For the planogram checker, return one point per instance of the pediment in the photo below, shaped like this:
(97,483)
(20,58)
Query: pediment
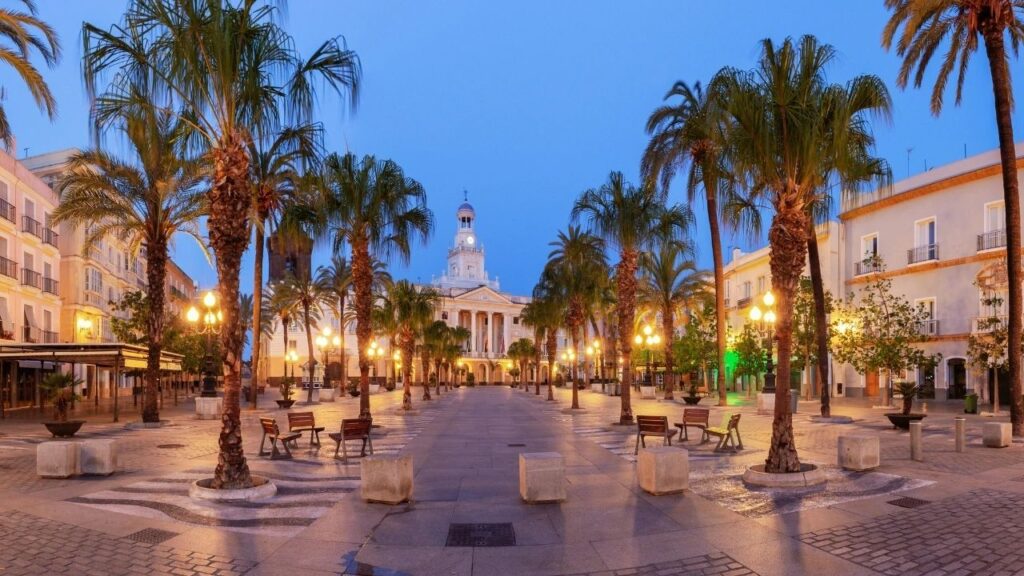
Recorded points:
(482,294)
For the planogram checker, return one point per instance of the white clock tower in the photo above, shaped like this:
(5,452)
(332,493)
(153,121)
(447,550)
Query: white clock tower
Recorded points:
(466,256)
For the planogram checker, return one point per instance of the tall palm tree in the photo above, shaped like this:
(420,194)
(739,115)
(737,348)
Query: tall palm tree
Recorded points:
(690,134)
(145,198)
(548,305)
(276,170)
(457,338)
(576,267)
(414,309)
(373,207)
(24,33)
(281,306)
(783,129)
(669,277)
(336,279)
(920,29)
(234,72)
(436,339)
(629,219)
(309,295)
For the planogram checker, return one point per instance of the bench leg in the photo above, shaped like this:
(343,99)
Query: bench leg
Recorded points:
(686,435)
(263,440)
(344,451)
(738,439)
(287,450)
(636,449)
(336,448)
(369,441)
(273,448)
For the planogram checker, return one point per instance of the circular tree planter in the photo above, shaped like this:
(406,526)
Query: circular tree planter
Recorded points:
(692,400)
(146,425)
(64,429)
(285,403)
(809,475)
(353,392)
(902,421)
(260,490)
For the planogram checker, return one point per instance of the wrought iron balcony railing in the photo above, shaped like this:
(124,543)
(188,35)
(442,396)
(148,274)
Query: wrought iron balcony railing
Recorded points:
(50,237)
(50,337)
(32,226)
(8,267)
(990,240)
(923,254)
(51,286)
(31,278)
(866,266)
(928,327)
(7,210)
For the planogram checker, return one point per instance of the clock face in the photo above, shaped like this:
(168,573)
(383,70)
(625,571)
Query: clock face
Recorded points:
(470,240)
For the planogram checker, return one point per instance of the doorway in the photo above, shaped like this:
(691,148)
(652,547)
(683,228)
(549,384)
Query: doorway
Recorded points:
(871,384)
(1003,379)
(957,368)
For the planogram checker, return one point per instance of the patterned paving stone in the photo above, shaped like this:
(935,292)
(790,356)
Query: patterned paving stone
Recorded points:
(715,563)
(978,531)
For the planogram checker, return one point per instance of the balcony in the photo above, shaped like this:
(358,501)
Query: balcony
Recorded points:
(7,211)
(923,254)
(50,337)
(31,278)
(50,237)
(178,294)
(744,302)
(928,327)
(31,335)
(867,266)
(51,286)
(990,240)
(984,324)
(8,268)
(93,298)
(32,226)
(7,331)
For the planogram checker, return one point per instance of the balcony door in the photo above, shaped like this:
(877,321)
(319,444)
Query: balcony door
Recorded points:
(924,241)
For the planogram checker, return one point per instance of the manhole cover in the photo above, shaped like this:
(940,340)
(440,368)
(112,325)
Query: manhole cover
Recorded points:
(908,502)
(169,446)
(517,445)
(481,535)
(151,536)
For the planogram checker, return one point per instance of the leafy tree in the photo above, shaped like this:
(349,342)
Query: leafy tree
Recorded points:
(25,33)
(986,347)
(805,330)
(875,329)
(751,355)
(697,349)
(130,324)
(919,30)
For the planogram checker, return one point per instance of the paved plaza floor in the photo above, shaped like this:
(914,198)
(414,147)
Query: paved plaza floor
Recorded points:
(964,515)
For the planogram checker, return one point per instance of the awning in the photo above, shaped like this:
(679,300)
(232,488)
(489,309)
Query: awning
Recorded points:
(109,355)
(35,364)
(30,316)
(4,317)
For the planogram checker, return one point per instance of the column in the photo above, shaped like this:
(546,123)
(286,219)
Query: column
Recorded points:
(472,331)
(506,322)
(491,340)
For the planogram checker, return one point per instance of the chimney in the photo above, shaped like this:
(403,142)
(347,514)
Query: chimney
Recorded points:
(736,254)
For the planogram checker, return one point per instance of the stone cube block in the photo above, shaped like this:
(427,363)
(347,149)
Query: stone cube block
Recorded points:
(599,388)
(859,452)
(648,392)
(663,470)
(541,477)
(996,434)
(386,478)
(326,394)
(57,459)
(209,408)
(98,457)
(374,388)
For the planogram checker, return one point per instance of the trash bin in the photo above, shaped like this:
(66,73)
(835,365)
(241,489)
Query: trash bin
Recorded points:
(971,404)
(794,400)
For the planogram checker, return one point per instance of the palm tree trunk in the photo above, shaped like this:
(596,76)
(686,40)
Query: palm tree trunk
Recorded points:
(716,252)
(820,323)
(257,310)
(668,327)
(312,356)
(344,359)
(625,311)
(1002,90)
(575,346)
(408,349)
(425,365)
(284,340)
(156,272)
(228,228)
(788,240)
(437,375)
(552,346)
(362,280)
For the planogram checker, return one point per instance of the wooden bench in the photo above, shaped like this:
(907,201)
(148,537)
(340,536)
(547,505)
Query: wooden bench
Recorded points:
(302,421)
(271,431)
(353,429)
(652,426)
(696,418)
(725,435)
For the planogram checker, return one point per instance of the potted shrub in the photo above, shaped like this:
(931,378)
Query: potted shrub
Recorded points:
(353,390)
(287,385)
(904,417)
(470,380)
(59,389)
(692,397)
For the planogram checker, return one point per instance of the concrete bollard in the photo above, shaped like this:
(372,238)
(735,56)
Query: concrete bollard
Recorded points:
(960,431)
(916,453)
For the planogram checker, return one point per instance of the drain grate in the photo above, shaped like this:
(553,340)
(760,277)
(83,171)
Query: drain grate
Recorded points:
(517,445)
(169,446)
(908,502)
(481,535)
(151,536)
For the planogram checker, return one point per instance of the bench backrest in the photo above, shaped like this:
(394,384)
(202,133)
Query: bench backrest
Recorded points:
(696,415)
(652,424)
(734,422)
(269,426)
(356,427)
(300,419)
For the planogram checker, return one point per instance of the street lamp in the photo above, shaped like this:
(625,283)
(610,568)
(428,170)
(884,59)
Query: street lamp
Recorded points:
(292,358)
(647,340)
(764,324)
(327,344)
(569,357)
(211,323)
(374,352)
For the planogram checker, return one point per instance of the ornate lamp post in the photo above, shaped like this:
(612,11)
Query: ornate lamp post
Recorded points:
(647,340)
(211,324)
(569,358)
(291,358)
(396,364)
(764,324)
(327,344)
(374,353)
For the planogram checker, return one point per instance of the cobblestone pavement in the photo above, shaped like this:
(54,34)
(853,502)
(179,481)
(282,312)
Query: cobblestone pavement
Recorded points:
(973,534)
(706,565)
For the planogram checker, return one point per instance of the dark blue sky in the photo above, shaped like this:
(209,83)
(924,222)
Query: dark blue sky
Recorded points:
(525,104)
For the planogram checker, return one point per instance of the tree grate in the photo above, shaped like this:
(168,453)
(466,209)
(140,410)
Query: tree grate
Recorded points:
(481,535)
(151,536)
(169,446)
(908,502)
(517,445)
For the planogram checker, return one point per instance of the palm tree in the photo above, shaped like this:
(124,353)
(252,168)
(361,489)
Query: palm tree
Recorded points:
(336,279)
(457,338)
(414,309)
(282,306)
(926,27)
(783,130)
(436,339)
(25,33)
(234,72)
(548,307)
(276,172)
(669,278)
(630,219)
(373,207)
(309,295)
(576,267)
(146,199)
(691,134)
(521,352)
